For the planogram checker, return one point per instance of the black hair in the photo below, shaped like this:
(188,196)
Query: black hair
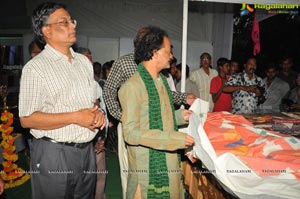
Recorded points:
(145,44)
(205,53)
(233,60)
(97,68)
(221,61)
(252,57)
(165,72)
(286,57)
(271,66)
(173,60)
(31,45)
(187,70)
(40,17)
(107,66)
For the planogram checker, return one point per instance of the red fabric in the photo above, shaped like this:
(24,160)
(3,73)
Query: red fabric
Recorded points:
(266,155)
(224,101)
(255,36)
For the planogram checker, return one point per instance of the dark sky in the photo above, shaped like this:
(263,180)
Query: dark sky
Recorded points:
(279,36)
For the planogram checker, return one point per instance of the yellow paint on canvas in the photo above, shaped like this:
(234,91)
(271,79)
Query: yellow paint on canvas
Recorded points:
(232,135)
(240,150)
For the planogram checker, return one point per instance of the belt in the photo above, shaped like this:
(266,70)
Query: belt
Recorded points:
(72,144)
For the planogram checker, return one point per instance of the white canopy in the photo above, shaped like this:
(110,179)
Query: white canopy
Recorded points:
(107,27)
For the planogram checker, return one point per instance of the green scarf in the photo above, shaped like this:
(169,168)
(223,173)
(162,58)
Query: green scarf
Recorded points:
(158,172)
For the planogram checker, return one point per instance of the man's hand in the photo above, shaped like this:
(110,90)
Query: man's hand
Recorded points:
(190,98)
(99,146)
(224,80)
(296,106)
(91,118)
(187,114)
(189,141)
(249,89)
(100,119)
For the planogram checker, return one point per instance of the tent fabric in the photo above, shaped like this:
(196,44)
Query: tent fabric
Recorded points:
(122,18)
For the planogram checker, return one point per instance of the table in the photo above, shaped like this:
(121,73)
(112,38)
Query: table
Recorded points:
(244,156)
(286,123)
(201,184)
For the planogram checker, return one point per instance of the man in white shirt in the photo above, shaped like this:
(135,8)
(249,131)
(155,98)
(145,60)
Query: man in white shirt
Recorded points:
(59,102)
(276,90)
(203,76)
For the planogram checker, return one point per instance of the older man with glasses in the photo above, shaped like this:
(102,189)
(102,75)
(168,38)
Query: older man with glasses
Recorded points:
(59,102)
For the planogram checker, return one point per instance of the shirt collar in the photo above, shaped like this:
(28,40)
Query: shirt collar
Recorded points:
(56,55)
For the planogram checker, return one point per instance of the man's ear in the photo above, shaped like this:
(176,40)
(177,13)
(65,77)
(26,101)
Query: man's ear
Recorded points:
(155,54)
(46,31)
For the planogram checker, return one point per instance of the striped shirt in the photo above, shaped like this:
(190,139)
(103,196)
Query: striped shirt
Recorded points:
(122,69)
(51,84)
(203,80)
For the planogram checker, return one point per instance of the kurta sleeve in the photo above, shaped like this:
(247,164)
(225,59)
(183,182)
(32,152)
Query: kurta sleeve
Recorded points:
(135,122)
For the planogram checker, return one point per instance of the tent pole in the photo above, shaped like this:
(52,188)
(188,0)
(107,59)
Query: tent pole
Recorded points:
(184,44)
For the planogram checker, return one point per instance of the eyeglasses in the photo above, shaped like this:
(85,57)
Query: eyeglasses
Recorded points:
(64,22)
(205,59)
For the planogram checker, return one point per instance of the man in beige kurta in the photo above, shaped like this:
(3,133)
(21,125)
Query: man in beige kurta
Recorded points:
(134,101)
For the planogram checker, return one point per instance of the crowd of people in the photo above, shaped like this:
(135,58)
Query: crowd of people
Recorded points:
(75,108)
(236,88)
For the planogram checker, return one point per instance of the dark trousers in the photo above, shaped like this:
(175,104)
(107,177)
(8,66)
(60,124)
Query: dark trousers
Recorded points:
(62,172)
